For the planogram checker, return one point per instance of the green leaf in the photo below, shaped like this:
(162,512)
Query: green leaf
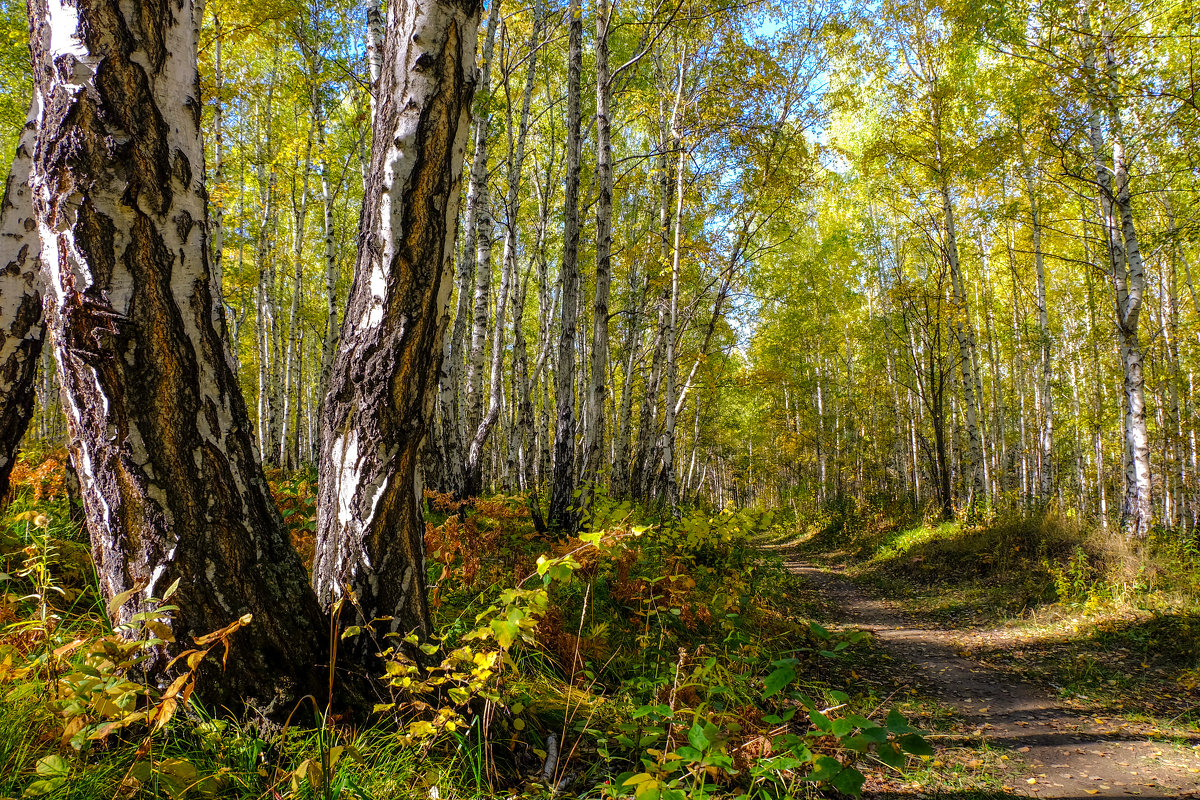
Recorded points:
(39,788)
(912,743)
(661,710)
(862,722)
(697,736)
(842,727)
(170,590)
(53,767)
(821,721)
(777,680)
(826,768)
(849,781)
(858,743)
(818,631)
(875,735)
(118,600)
(891,755)
(506,632)
(896,723)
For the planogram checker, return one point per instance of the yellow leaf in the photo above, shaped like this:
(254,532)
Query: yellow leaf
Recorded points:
(164,713)
(174,688)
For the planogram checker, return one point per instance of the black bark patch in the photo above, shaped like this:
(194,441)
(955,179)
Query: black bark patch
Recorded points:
(95,234)
(183,225)
(29,314)
(182,170)
(151,15)
(128,103)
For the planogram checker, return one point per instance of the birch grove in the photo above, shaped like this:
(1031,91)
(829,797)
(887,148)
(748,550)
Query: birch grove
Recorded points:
(701,260)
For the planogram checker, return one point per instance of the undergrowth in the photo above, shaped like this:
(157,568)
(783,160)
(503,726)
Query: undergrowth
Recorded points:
(647,657)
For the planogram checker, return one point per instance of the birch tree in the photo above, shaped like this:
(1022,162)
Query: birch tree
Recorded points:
(160,437)
(22,328)
(562,492)
(370,537)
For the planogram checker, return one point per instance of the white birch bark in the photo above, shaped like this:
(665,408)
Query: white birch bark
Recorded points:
(1046,435)
(22,328)
(159,431)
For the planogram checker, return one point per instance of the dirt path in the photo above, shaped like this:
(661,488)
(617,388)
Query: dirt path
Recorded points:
(1064,754)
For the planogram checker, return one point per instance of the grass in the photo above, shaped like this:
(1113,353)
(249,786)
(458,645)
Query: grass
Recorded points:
(644,659)
(1113,627)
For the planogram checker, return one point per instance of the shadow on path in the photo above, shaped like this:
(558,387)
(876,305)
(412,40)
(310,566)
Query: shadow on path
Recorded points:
(1067,755)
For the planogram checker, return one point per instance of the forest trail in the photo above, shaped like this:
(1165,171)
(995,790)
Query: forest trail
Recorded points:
(1064,753)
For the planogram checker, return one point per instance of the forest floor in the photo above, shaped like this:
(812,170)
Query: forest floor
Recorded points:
(1003,732)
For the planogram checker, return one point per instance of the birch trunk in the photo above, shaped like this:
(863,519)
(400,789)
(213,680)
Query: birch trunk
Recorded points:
(669,481)
(620,470)
(1128,277)
(374,55)
(561,515)
(370,538)
(643,467)
(973,457)
(288,449)
(473,467)
(594,439)
(332,327)
(1046,436)
(22,328)
(218,208)
(457,388)
(160,435)
(265,295)
(477,232)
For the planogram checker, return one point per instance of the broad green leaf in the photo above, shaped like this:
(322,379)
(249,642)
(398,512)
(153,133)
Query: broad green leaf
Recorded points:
(849,781)
(821,721)
(777,680)
(912,743)
(825,768)
(896,723)
(52,767)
